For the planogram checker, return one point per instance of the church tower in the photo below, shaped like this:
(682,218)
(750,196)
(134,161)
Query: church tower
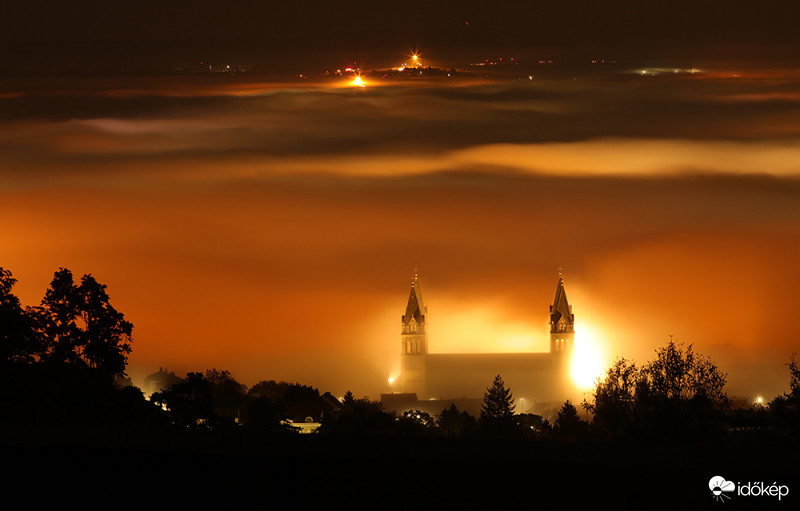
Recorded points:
(562,321)
(414,342)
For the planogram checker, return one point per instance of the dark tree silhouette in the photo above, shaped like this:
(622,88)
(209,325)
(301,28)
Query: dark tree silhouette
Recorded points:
(264,409)
(227,394)
(498,402)
(189,403)
(530,424)
(453,422)
(785,409)
(20,342)
(679,395)
(360,408)
(58,316)
(81,325)
(614,400)
(568,424)
(209,400)
(359,416)
(107,333)
(417,423)
(794,380)
(270,403)
(268,389)
(678,373)
(264,415)
(60,359)
(497,410)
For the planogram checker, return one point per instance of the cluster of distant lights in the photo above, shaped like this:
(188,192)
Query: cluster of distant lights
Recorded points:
(358,80)
(653,71)
(500,62)
(416,62)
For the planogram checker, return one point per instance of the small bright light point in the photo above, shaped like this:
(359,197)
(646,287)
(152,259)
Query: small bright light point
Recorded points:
(759,400)
(358,82)
(392,379)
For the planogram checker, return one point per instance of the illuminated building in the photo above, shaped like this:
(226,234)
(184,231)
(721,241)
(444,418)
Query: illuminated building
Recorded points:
(534,378)
(160,381)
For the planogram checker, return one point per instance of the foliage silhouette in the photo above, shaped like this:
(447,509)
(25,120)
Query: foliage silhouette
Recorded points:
(264,415)
(498,402)
(785,409)
(62,361)
(269,403)
(455,423)
(614,399)
(227,394)
(568,424)
(20,341)
(80,325)
(416,423)
(679,396)
(497,410)
(359,417)
(189,403)
(268,389)
(530,424)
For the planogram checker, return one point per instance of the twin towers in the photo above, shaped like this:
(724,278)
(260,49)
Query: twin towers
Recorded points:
(534,377)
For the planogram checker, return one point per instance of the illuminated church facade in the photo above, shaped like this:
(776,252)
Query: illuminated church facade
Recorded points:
(534,378)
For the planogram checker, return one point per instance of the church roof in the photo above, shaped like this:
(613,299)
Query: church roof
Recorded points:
(415,308)
(560,308)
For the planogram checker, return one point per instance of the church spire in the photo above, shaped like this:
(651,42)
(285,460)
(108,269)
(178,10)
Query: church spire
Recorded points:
(562,320)
(561,307)
(415,310)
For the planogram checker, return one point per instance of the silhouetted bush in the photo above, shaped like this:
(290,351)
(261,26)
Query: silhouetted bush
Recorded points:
(678,396)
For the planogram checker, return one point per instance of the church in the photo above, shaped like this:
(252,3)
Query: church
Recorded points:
(434,380)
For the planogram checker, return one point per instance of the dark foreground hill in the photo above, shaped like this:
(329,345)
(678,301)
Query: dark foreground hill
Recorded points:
(164,469)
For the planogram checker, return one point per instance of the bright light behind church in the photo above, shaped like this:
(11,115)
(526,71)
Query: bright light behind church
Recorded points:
(589,358)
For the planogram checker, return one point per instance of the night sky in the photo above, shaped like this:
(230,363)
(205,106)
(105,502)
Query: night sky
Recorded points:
(134,35)
(269,224)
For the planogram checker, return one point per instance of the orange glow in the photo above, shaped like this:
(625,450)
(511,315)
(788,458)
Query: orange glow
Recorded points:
(267,235)
(589,357)
(482,328)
